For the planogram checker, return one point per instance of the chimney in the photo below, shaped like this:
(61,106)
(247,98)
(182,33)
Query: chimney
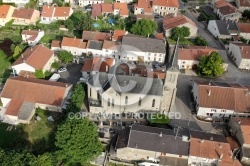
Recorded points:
(74,38)
(22,56)
(24,61)
(220,145)
(160,134)
(227,26)
(107,68)
(181,48)
(239,122)
(39,30)
(209,92)
(221,156)
(136,146)
(202,140)
(241,48)
(212,138)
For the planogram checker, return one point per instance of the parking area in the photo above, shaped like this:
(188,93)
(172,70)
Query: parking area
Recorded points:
(72,75)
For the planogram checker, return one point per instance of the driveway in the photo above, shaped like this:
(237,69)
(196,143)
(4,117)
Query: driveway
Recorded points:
(72,75)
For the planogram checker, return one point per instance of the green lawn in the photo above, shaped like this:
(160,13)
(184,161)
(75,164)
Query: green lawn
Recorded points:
(184,42)
(5,64)
(108,1)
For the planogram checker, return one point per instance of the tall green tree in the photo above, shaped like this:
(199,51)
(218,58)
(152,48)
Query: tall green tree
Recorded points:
(181,32)
(69,24)
(144,27)
(200,41)
(46,159)
(77,98)
(246,13)
(65,56)
(77,141)
(85,22)
(211,65)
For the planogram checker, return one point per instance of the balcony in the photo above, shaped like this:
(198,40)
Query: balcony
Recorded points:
(95,103)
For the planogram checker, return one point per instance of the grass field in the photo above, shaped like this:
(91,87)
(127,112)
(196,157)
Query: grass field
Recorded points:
(4,63)
(184,42)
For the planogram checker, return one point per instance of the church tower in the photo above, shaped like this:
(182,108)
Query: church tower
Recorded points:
(170,82)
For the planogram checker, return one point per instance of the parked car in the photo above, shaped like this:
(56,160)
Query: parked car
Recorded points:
(62,69)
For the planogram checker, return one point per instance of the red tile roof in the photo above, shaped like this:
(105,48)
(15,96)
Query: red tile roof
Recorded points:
(166,3)
(123,7)
(30,32)
(96,10)
(225,7)
(36,56)
(194,52)
(4,10)
(107,8)
(245,128)
(92,35)
(23,13)
(98,64)
(118,34)
(56,43)
(71,42)
(62,12)
(47,11)
(159,36)
(111,45)
(145,4)
(244,3)
(244,27)
(171,21)
(21,89)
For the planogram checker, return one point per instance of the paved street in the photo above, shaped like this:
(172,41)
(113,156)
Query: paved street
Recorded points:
(72,75)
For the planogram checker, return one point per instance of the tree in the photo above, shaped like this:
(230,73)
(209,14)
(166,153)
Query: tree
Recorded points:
(17,52)
(180,32)
(47,73)
(211,65)
(200,41)
(77,141)
(144,27)
(55,65)
(39,74)
(202,17)
(85,22)
(77,98)
(246,13)
(69,24)
(65,56)
(46,159)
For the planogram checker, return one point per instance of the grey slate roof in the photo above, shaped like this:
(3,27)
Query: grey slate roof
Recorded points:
(157,140)
(207,136)
(226,27)
(127,84)
(94,44)
(142,43)
(25,110)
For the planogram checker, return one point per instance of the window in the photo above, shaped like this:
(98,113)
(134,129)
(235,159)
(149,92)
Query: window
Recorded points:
(153,103)
(207,113)
(113,102)
(139,103)
(160,59)
(108,101)
(89,92)
(126,100)
(183,62)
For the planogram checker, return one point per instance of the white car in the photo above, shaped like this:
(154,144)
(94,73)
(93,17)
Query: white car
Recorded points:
(61,70)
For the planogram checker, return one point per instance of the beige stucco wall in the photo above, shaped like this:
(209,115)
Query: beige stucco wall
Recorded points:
(163,10)
(47,66)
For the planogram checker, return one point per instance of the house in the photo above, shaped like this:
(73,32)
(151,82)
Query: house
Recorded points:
(121,9)
(34,58)
(225,11)
(96,65)
(45,2)
(118,35)
(94,48)
(92,35)
(21,96)
(32,37)
(171,21)
(55,45)
(210,149)
(240,54)
(83,3)
(24,16)
(107,9)
(188,57)
(165,7)
(6,12)
(76,46)
(23,2)
(240,128)
(142,49)
(51,13)
(244,29)
(242,5)
(223,28)
(216,100)
(111,49)
(96,10)
(143,7)
(153,144)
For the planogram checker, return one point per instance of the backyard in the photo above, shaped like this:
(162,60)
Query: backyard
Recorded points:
(38,136)
(5,64)
(183,42)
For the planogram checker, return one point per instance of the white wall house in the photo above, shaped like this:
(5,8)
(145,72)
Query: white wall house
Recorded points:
(240,54)
(222,28)
(111,49)
(244,29)
(163,7)
(32,37)
(210,106)
(16,1)
(94,48)
(6,12)
(76,46)
(34,58)
(83,3)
